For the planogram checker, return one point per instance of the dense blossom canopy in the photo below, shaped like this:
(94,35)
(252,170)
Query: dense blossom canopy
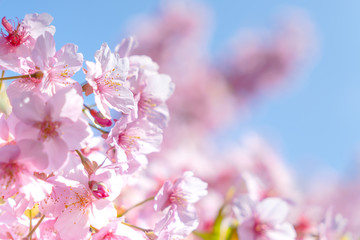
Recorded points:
(116,167)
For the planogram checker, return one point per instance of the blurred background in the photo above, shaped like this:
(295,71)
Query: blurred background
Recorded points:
(310,114)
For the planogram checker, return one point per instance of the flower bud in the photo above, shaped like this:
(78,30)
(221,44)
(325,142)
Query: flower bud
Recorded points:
(99,189)
(100,119)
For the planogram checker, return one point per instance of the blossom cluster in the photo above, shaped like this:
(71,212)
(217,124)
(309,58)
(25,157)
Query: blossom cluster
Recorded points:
(103,160)
(59,180)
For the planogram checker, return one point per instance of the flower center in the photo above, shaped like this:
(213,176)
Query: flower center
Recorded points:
(47,129)
(16,34)
(178,199)
(259,227)
(128,142)
(8,177)
(146,104)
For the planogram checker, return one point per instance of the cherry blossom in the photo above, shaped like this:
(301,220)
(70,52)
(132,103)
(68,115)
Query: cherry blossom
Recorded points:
(76,208)
(49,70)
(263,220)
(130,141)
(107,79)
(19,37)
(55,122)
(17,164)
(106,170)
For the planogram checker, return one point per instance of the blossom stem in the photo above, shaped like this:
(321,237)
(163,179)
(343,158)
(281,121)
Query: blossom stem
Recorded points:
(2,75)
(35,227)
(87,107)
(136,205)
(99,129)
(136,227)
(38,75)
(30,227)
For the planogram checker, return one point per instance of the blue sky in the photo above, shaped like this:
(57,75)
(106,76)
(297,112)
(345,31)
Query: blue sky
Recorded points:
(314,123)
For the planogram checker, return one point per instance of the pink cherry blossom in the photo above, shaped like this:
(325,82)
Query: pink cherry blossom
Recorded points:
(181,218)
(263,220)
(107,78)
(176,224)
(56,122)
(19,37)
(130,141)
(17,164)
(183,192)
(54,68)
(151,91)
(13,226)
(76,208)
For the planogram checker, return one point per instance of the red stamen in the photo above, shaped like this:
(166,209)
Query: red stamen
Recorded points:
(16,34)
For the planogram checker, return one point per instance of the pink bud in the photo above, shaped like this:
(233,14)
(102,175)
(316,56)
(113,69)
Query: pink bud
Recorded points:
(100,119)
(99,189)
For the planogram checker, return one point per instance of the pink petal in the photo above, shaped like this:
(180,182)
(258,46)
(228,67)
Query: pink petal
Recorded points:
(29,108)
(66,103)
(32,152)
(57,151)
(272,210)
(102,212)
(75,134)
(73,225)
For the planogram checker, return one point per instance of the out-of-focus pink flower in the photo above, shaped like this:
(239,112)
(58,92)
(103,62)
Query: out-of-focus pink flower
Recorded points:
(54,68)
(176,224)
(184,192)
(175,32)
(151,92)
(332,227)
(256,156)
(118,231)
(180,196)
(107,78)
(257,63)
(263,220)
(56,122)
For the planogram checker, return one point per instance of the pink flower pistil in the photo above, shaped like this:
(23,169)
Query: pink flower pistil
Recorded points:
(47,128)
(16,34)
(260,228)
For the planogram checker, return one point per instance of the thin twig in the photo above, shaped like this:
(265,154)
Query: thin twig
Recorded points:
(35,227)
(136,205)
(103,131)
(136,227)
